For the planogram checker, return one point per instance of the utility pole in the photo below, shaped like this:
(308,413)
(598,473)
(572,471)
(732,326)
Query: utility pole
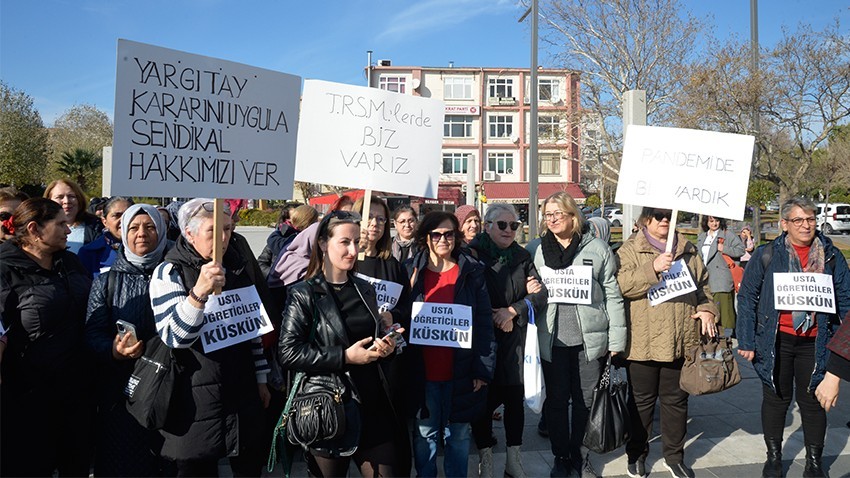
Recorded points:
(533,164)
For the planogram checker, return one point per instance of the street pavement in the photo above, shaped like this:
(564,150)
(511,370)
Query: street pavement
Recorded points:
(724,433)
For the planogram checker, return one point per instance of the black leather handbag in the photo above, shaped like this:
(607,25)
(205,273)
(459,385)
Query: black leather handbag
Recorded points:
(317,411)
(608,420)
(150,388)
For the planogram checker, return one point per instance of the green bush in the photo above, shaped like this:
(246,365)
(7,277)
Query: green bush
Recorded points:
(257,217)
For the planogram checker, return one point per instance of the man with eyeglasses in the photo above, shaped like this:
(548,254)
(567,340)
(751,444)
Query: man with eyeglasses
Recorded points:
(788,346)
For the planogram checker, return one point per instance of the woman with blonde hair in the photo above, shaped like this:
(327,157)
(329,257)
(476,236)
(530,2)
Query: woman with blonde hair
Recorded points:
(578,327)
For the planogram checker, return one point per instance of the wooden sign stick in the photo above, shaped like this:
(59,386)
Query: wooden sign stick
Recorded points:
(672,232)
(364,220)
(218,228)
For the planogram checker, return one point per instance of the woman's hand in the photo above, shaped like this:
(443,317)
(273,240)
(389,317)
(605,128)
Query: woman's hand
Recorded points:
(477,384)
(122,351)
(663,262)
(504,318)
(265,394)
(210,279)
(827,391)
(532,285)
(708,328)
(749,355)
(358,354)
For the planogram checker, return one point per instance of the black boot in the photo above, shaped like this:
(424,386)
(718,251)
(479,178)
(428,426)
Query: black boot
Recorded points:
(813,461)
(773,465)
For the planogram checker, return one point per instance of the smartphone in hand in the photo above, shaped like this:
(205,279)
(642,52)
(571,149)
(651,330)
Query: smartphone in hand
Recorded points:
(393,334)
(125,328)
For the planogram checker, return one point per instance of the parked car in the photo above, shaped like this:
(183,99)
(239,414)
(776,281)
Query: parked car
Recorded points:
(833,218)
(615,216)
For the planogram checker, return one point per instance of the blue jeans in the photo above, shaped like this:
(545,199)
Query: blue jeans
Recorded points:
(426,435)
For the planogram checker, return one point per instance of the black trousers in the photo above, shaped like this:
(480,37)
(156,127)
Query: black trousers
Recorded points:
(649,381)
(513,397)
(795,362)
(570,380)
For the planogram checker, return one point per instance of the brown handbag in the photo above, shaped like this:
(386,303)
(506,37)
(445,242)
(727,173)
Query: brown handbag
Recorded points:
(709,367)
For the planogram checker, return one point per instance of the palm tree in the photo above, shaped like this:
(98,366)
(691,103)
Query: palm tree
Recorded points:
(79,164)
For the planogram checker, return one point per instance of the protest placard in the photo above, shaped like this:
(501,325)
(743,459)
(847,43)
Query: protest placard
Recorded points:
(193,126)
(801,291)
(353,136)
(570,285)
(674,282)
(441,325)
(703,172)
(387,292)
(232,317)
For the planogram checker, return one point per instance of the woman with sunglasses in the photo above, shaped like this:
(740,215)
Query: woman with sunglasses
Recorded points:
(217,409)
(665,320)
(392,287)
(448,385)
(508,269)
(10,199)
(349,341)
(578,328)
(788,347)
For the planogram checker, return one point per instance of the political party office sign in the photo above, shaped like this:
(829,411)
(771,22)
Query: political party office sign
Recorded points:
(193,126)
(684,169)
(232,317)
(353,136)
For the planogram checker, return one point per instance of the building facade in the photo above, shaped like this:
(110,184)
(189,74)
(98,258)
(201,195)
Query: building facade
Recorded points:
(486,128)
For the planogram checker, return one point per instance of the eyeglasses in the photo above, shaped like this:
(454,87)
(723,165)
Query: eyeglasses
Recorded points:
(407,221)
(436,236)
(798,221)
(660,216)
(557,215)
(378,219)
(504,225)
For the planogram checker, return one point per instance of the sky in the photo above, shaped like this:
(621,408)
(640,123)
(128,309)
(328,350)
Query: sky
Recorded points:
(63,52)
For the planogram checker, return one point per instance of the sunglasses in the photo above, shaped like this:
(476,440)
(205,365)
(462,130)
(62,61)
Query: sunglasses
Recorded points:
(5,216)
(436,236)
(659,216)
(208,206)
(338,216)
(502,225)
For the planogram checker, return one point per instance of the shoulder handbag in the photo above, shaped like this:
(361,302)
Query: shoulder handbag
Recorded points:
(150,388)
(608,421)
(709,367)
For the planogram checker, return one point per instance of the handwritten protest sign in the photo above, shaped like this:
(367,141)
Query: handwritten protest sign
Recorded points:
(689,170)
(674,282)
(189,125)
(232,317)
(571,285)
(442,325)
(353,136)
(803,291)
(388,292)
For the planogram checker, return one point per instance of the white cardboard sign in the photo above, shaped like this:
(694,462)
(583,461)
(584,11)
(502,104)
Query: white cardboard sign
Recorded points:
(388,292)
(193,126)
(803,291)
(359,137)
(675,282)
(685,169)
(441,325)
(232,317)
(570,285)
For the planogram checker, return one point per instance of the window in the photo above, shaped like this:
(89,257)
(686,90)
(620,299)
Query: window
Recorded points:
(457,126)
(455,163)
(550,164)
(457,88)
(501,126)
(392,83)
(547,89)
(548,127)
(502,163)
(501,87)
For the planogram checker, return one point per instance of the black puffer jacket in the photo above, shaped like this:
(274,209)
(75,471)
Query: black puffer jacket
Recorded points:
(276,242)
(479,362)
(44,313)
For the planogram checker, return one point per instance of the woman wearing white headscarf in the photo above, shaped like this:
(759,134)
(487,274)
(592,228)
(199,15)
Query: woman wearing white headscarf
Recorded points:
(125,448)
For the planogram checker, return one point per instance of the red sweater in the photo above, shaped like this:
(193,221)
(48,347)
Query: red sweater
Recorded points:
(440,288)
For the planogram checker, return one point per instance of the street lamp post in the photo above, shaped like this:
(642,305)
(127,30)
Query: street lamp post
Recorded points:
(533,161)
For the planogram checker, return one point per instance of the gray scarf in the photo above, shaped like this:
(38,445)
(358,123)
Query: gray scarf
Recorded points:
(155,256)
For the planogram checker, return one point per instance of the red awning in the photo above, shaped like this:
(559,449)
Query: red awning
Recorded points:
(517,193)
(331,198)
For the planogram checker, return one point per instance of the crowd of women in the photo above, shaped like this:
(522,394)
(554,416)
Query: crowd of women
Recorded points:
(335,291)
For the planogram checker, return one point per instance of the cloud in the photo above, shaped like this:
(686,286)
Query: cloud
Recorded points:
(439,14)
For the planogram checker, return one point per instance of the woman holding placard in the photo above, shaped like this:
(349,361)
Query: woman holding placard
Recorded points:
(582,325)
(787,343)
(448,381)
(508,269)
(220,391)
(331,325)
(669,305)
(714,243)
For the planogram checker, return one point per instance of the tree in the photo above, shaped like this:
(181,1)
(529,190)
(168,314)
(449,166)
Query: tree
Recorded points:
(23,139)
(622,45)
(81,165)
(82,127)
